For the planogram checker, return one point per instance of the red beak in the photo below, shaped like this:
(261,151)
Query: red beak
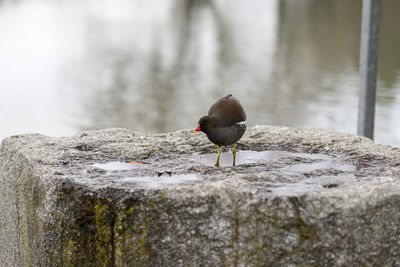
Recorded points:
(197,129)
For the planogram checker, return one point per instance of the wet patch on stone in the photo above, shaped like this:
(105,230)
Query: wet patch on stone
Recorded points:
(242,157)
(153,182)
(312,184)
(116,166)
(329,163)
(294,162)
(134,181)
(293,173)
(284,173)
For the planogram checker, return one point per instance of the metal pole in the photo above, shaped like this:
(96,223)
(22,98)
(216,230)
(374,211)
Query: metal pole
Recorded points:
(368,67)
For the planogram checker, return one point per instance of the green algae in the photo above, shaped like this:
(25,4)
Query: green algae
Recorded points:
(71,247)
(131,230)
(66,251)
(104,235)
(306,232)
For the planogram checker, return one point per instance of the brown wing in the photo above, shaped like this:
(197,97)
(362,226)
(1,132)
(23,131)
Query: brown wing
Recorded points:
(227,111)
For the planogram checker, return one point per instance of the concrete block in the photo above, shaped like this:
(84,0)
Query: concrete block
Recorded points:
(114,197)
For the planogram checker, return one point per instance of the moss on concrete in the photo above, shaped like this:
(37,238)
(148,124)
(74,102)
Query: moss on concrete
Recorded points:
(131,229)
(104,235)
(70,248)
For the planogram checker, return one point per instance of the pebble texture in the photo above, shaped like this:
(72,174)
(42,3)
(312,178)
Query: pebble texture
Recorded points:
(76,201)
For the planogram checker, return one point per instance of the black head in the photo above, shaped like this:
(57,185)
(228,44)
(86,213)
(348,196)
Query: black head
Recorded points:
(205,123)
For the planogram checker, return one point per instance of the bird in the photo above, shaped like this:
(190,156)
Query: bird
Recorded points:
(224,125)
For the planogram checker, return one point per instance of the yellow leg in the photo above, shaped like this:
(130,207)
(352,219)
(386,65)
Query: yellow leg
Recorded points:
(217,163)
(234,155)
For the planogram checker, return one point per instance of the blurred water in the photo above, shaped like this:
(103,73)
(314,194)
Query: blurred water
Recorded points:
(157,66)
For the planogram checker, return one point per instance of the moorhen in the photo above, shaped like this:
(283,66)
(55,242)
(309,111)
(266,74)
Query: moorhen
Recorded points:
(225,124)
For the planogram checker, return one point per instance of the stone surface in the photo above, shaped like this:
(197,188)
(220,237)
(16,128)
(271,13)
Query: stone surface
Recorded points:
(298,197)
